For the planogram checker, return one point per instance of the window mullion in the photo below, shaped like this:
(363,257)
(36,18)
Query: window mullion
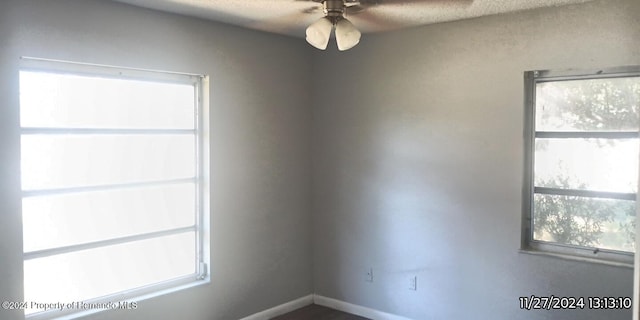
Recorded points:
(104,243)
(585,193)
(587,134)
(44,192)
(78,131)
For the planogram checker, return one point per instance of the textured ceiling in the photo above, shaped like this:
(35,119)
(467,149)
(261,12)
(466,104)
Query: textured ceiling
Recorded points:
(291,17)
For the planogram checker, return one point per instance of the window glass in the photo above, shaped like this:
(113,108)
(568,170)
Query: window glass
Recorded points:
(66,161)
(61,220)
(609,104)
(87,274)
(587,164)
(589,222)
(53,100)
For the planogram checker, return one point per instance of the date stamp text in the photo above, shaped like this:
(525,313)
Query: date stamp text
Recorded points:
(552,302)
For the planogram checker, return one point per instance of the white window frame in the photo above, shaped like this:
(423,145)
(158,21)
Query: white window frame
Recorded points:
(573,252)
(202,181)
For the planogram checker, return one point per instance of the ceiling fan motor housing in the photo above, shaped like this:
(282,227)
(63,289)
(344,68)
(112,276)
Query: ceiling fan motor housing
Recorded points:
(333,8)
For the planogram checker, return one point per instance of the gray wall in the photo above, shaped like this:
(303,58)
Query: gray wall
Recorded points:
(403,154)
(418,161)
(260,122)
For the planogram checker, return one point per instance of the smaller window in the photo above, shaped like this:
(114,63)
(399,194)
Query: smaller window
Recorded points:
(582,162)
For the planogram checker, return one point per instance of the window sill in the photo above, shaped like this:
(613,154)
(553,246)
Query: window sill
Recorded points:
(577,258)
(61,315)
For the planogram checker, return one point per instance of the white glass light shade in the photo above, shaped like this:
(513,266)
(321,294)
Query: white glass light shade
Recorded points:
(319,32)
(347,36)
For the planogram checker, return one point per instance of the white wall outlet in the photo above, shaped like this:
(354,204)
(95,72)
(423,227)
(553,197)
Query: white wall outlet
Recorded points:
(369,275)
(413,283)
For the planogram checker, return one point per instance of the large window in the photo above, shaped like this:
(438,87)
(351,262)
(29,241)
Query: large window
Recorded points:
(114,201)
(582,162)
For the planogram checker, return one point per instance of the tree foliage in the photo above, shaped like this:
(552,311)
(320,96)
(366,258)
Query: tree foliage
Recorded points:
(604,104)
(580,220)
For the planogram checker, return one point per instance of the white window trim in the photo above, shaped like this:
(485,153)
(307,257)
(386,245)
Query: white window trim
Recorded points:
(570,252)
(202,225)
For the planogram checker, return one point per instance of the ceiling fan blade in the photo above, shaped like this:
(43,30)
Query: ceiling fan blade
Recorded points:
(390,15)
(358,6)
(290,23)
(372,22)
(355,9)
(426,2)
(311,10)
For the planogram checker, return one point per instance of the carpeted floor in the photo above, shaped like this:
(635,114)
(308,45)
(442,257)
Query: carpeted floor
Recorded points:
(316,312)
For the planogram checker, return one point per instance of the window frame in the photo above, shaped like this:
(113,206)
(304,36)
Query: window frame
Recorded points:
(574,252)
(200,82)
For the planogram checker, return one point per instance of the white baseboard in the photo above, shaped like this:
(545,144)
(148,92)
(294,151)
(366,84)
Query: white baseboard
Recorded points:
(323,301)
(355,309)
(281,309)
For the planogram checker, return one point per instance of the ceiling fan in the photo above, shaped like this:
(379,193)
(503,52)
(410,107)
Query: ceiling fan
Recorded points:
(347,35)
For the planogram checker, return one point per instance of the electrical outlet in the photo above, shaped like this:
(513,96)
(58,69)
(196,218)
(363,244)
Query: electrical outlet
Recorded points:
(413,283)
(369,275)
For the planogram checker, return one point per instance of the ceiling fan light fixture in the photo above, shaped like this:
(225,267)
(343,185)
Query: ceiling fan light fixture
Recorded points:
(347,36)
(319,32)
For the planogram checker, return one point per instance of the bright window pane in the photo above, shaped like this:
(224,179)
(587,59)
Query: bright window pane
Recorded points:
(590,222)
(588,105)
(587,164)
(62,220)
(63,161)
(71,101)
(98,272)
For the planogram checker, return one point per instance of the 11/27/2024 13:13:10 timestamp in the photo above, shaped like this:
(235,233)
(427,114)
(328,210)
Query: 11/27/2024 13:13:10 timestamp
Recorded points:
(534,302)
